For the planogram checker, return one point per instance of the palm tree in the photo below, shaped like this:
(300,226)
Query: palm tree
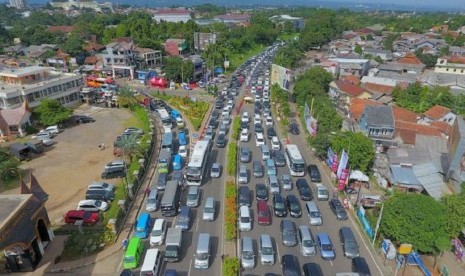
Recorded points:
(126,98)
(130,145)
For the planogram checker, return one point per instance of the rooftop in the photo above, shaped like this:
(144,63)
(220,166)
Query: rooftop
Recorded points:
(437,112)
(172,12)
(380,115)
(22,71)
(357,106)
(349,88)
(374,87)
(10,206)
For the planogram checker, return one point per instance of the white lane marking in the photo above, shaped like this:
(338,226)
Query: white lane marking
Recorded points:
(278,257)
(331,262)
(198,220)
(190,268)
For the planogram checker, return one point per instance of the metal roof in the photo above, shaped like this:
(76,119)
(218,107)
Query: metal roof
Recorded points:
(430,178)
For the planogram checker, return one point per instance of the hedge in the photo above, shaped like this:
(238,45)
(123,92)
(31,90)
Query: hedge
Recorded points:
(231,159)
(231,266)
(236,128)
(230,211)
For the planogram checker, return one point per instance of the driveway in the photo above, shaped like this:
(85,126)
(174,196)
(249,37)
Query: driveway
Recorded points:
(65,170)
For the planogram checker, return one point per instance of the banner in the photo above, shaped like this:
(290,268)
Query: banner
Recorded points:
(310,122)
(342,163)
(329,157)
(343,179)
(335,163)
(281,76)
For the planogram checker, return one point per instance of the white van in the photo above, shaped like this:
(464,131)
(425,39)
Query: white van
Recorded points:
(266,250)
(202,254)
(259,139)
(245,220)
(265,152)
(152,263)
(157,236)
(275,145)
(314,214)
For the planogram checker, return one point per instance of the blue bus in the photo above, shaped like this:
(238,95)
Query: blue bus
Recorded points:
(143,226)
(182,139)
(177,162)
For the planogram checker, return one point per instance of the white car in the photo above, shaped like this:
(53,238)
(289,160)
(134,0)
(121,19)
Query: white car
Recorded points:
(230,104)
(157,236)
(244,135)
(253,90)
(245,219)
(216,170)
(269,121)
(275,145)
(225,111)
(92,205)
(259,139)
(182,151)
(52,129)
(245,117)
(257,119)
(42,135)
(47,142)
(226,120)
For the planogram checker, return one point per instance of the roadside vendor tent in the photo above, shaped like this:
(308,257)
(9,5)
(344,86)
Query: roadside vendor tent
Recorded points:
(358,176)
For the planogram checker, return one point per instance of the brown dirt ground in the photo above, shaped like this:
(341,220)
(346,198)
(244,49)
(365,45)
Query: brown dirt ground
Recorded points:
(67,168)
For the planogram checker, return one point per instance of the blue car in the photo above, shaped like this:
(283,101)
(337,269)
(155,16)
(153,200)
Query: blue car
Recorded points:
(326,247)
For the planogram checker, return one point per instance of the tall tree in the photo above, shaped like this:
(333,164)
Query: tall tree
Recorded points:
(51,112)
(454,206)
(359,147)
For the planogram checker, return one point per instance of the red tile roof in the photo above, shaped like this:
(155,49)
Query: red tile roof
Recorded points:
(352,79)
(404,115)
(408,136)
(374,87)
(357,106)
(348,88)
(408,131)
(436,112)
(60,29)
(410,59)
(91,60)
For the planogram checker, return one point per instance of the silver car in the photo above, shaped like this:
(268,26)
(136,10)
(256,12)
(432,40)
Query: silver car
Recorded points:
(216,170)
(247,253)
(243,176)
(288,232)
(286,181)
(273,184)
(193,196)
(321,192)
(184,218)
(245,154)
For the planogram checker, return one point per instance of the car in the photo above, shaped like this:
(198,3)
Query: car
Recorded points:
(288,232)
(230,104)
(182,151)
(279,205)
(193,196)
(161,181)
(95,185)
(215,171)
(321,192)
(258,128)
(244,196)
(218,105)
(293,206)
(52,129)
(184,218)
(244,125)
(261,192)
(279,158)
(215,114)
(290,265)
(131,130)
(226,120)
(304,190)
(42,135)
(223,129)
(221,140)
(209,133)
(312,269)
(225,111)
(245,117)
(157,236)
(87,218)
(273,183)
(257,169)
(245,154)
(245,220)
(337,208)
(213,123)
(243,175)
(326,246)
(294,129)
(257,120)
(286,182)
(263,213)
(83,119)
(92,205)
(360,266)
(244,135)
(47,142)
(268,121)
(270,132)
(314,173)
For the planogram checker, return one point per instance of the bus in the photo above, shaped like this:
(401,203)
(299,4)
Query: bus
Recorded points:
(170,200)
(182,139)
(294,159)
(165,117)
(198,162)
(133,253)
(167,140)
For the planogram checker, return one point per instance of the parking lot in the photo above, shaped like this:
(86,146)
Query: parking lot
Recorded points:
(66,168)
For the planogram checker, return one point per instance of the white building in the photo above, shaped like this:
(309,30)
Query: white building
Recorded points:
(452,65)
(73,4)
(19,4)
(34,83)
(172,15)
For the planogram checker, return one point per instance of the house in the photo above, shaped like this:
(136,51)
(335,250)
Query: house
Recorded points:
(450,65)
(33,83)
(172,15)
(385,55)
(439,113)
(175,46)
(88,4)
(234,18)
(60,29)
(119,56)
(297,22)
(377,122)
(148,58)
(14,121)
(200,68)
(356,67)
(202,40)
(456,51)
(343,91)
(25,226)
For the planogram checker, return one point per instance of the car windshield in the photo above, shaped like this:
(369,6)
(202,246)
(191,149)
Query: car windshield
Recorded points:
(156,233)
(152,201)
(308,243)
(263,214)
(98,203)
(183,218)
(202,256)
(267,251)
(215,169)
(245,219)
(243,174)
(288,232)
(326,247)
(295,207)
(209,210)
(315,214)
(323,192)
(129,259)
(351,244)
(279,205)
(248,255)
(192,196)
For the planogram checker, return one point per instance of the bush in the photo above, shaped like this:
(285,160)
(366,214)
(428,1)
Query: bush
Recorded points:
(230,266)
(232,153)
(230,211)
(236,128)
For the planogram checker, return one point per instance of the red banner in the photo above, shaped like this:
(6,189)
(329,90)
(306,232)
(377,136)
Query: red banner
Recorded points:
(343,179)
(335,163)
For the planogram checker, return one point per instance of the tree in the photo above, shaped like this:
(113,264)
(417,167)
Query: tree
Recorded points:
(130,145)
(73,45)
(51,112)
(454,206)
(177,69)
(359,147)
(126,98)
(416,219)
(358,49)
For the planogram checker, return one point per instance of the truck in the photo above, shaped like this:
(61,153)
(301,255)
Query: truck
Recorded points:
(171,199)
(173,244)
(20,151)
(36,146)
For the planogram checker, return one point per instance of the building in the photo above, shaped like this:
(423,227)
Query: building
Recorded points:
(200,68)
(450,65)
(84,4)
(377,122)
(19,4)
(349,66)
(34,83)
(172,15)
(119,55)
(385,55)
(175,47)
(14,121)
(148,58)
(343,91)
(297,22)
(202,40)
(234,18)
(25,227)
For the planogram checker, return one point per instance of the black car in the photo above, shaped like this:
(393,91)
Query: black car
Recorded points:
(221,140)
(215,114)
(161,181)
(360,266)
(312,269)
(218,105)
(82,119)
(304,190)
(244,196)
(213,123)
(314,173)
(270,132)
(279,205)
(258,128)
(261,192)
(279,158)
(294,129)
(337,208)
(244,125)
(290,265)
(257,168)
(293,205)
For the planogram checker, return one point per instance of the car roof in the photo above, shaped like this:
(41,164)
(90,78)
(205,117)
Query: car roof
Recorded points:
(323,238)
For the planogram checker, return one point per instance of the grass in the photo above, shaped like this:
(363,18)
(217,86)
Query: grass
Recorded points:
(230,211)
(231,266)
(239,58)
(83,244)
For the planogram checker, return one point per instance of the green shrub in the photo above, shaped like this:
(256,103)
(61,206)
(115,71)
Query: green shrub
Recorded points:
(231,159)
(236,128)
(231,266)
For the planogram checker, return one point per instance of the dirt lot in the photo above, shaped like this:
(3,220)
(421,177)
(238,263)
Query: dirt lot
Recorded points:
(66,168)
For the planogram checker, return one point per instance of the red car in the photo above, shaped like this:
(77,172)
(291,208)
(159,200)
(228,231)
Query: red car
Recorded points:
(89,218)
(264,215)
